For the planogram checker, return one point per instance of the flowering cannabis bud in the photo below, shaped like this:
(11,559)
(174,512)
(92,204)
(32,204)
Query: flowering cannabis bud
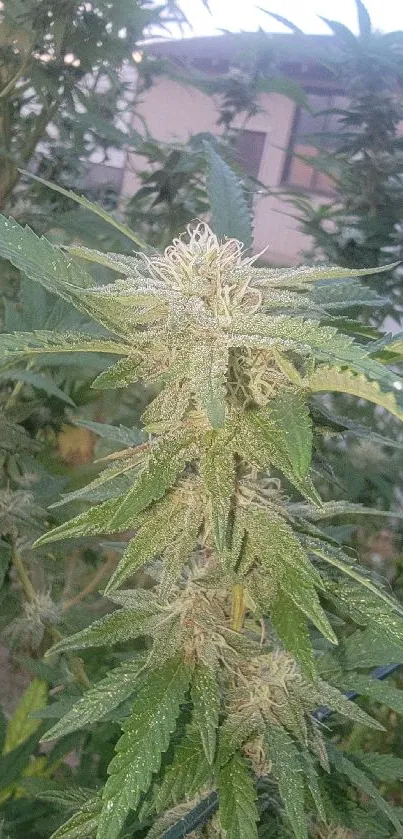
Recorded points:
(222,499)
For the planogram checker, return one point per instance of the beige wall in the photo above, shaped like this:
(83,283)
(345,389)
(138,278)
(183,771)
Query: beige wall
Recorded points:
(174,112)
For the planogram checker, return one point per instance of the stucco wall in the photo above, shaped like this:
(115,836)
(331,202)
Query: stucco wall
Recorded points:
(173,111)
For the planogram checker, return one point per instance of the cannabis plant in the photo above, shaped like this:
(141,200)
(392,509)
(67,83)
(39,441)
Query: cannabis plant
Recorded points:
(363,156)
(62,92)
(218,503)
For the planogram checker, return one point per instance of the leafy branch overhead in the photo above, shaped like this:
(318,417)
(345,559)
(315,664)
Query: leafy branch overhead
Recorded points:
(218,499)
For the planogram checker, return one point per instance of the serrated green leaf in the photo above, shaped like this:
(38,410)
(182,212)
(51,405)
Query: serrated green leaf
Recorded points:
(169,639)
(187,774)
(70,281)
(370,647)
(291,414)
(92,207)
(312,782)
(146,735)
(121,374)
(101,698)
(343,562)
(338,702)
(118,433)
(205,695)
(287,367)
(292,629)
(167,409)
(38,309)
(307,337)
(55,710)
(332,379)
(305,598)
(40,382)
(376,690)
(340,295)
(81,825)
(40,260)
(207,369)
(229,211)
(364,783)
(136,598)
(237,800)
(21,726)
(343,33)
(385,767)
(304,275)
(288,772)
(364,20)
(366,607)
(292,300)
(61,795)
(166,461)
(235,731)
(128,304)
(272,542)
(107,478)
(111,629)
(294,333)
(160,527)
(177,553)
(89,523)
(330,509)
(52,268)
(121,263)
(284,21)
(261,441)
(395,345)
(43,342)
(218,473)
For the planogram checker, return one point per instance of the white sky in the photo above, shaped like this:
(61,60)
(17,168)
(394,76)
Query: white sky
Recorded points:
(238,15)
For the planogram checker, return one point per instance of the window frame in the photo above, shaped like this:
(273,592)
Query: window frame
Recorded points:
(325,92)
(241,164)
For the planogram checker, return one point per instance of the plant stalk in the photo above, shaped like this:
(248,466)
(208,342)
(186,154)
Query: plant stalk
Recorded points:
(22,573)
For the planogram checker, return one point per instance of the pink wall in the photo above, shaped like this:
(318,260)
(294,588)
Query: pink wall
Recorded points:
(174,112)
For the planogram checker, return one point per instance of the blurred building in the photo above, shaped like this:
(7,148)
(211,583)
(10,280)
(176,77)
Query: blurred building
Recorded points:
(267,143)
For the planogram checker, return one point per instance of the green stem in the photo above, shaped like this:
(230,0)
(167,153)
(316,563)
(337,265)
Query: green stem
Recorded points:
(10,402)
(9,182)
(14,395)
(91,586)
(23,577)
(76,663)
(8,87)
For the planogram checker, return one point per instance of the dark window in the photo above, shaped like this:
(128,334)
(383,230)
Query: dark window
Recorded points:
(312,131)
(249,150)
(99,175)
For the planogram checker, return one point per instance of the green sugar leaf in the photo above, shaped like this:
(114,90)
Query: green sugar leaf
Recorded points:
(205,695)
(99,699)
(237,800)
(146,736)
(288,772)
